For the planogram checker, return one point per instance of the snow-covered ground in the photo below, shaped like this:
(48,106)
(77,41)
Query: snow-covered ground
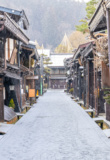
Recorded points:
(56,128)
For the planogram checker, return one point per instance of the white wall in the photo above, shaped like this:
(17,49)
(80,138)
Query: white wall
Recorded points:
(44,51)
(58,59)
(10,47)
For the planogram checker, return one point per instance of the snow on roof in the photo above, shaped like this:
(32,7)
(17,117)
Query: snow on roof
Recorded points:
(58,59)
(32,42)
(44,51)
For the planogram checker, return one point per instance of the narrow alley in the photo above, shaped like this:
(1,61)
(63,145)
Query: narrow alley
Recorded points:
(56,128)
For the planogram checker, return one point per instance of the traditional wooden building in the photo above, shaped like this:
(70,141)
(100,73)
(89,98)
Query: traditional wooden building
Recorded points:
(57,78)
(28,61)
(89,69)
(58,73)
(78,72)
(85,78)
(98,25)
(11,35)
(68,64)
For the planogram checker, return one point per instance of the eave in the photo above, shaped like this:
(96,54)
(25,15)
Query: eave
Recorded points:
(32,49)
(98,20)
(79,50)
(13,27)
(16,15)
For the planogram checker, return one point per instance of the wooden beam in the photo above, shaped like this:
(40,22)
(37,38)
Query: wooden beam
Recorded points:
(29,49)
(13,56)
(8,49)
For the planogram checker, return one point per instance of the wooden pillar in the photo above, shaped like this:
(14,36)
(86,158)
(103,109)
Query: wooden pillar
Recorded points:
(87,84)
(84,83)
(5,62)
(1,100)
(108,29)
(80,96)
(95,87)
(32,82)
(18,94)
(77,86)
(18,55)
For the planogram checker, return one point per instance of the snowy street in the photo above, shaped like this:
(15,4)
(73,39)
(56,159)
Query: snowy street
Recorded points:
(55,128)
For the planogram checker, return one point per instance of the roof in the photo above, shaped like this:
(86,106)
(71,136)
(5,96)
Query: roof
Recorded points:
(98,20)
(68,59)
(82,46)
(88,50)
(16,15)
(29,46)
(9,114)
(13,28)
(58,59)
(32,48)
(68,62)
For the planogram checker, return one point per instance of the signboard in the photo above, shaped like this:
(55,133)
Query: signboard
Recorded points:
(31,93)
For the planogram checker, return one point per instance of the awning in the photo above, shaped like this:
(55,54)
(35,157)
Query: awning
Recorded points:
(12,75)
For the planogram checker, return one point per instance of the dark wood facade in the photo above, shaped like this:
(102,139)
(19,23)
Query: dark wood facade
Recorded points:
(28,58)
(10,37)
(58,83)
(57,78)
(100,22)
(85,78)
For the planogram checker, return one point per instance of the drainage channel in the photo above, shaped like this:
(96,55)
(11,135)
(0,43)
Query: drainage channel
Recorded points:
(98,120)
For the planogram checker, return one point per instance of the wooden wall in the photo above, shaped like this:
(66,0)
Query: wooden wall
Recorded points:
(1,100)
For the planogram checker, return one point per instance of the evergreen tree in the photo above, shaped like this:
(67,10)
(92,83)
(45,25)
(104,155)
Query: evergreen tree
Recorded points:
(49,19)
(90,9)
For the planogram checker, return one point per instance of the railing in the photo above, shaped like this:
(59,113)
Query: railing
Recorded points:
(15,29)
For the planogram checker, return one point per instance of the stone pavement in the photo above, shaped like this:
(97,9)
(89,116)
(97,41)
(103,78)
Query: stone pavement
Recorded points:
(56,128)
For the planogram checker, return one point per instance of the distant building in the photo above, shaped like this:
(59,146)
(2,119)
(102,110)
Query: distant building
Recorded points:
(58,74)
(45,52)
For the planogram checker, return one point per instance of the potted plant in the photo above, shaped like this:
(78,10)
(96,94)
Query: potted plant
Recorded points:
(71,90)
(12,104)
